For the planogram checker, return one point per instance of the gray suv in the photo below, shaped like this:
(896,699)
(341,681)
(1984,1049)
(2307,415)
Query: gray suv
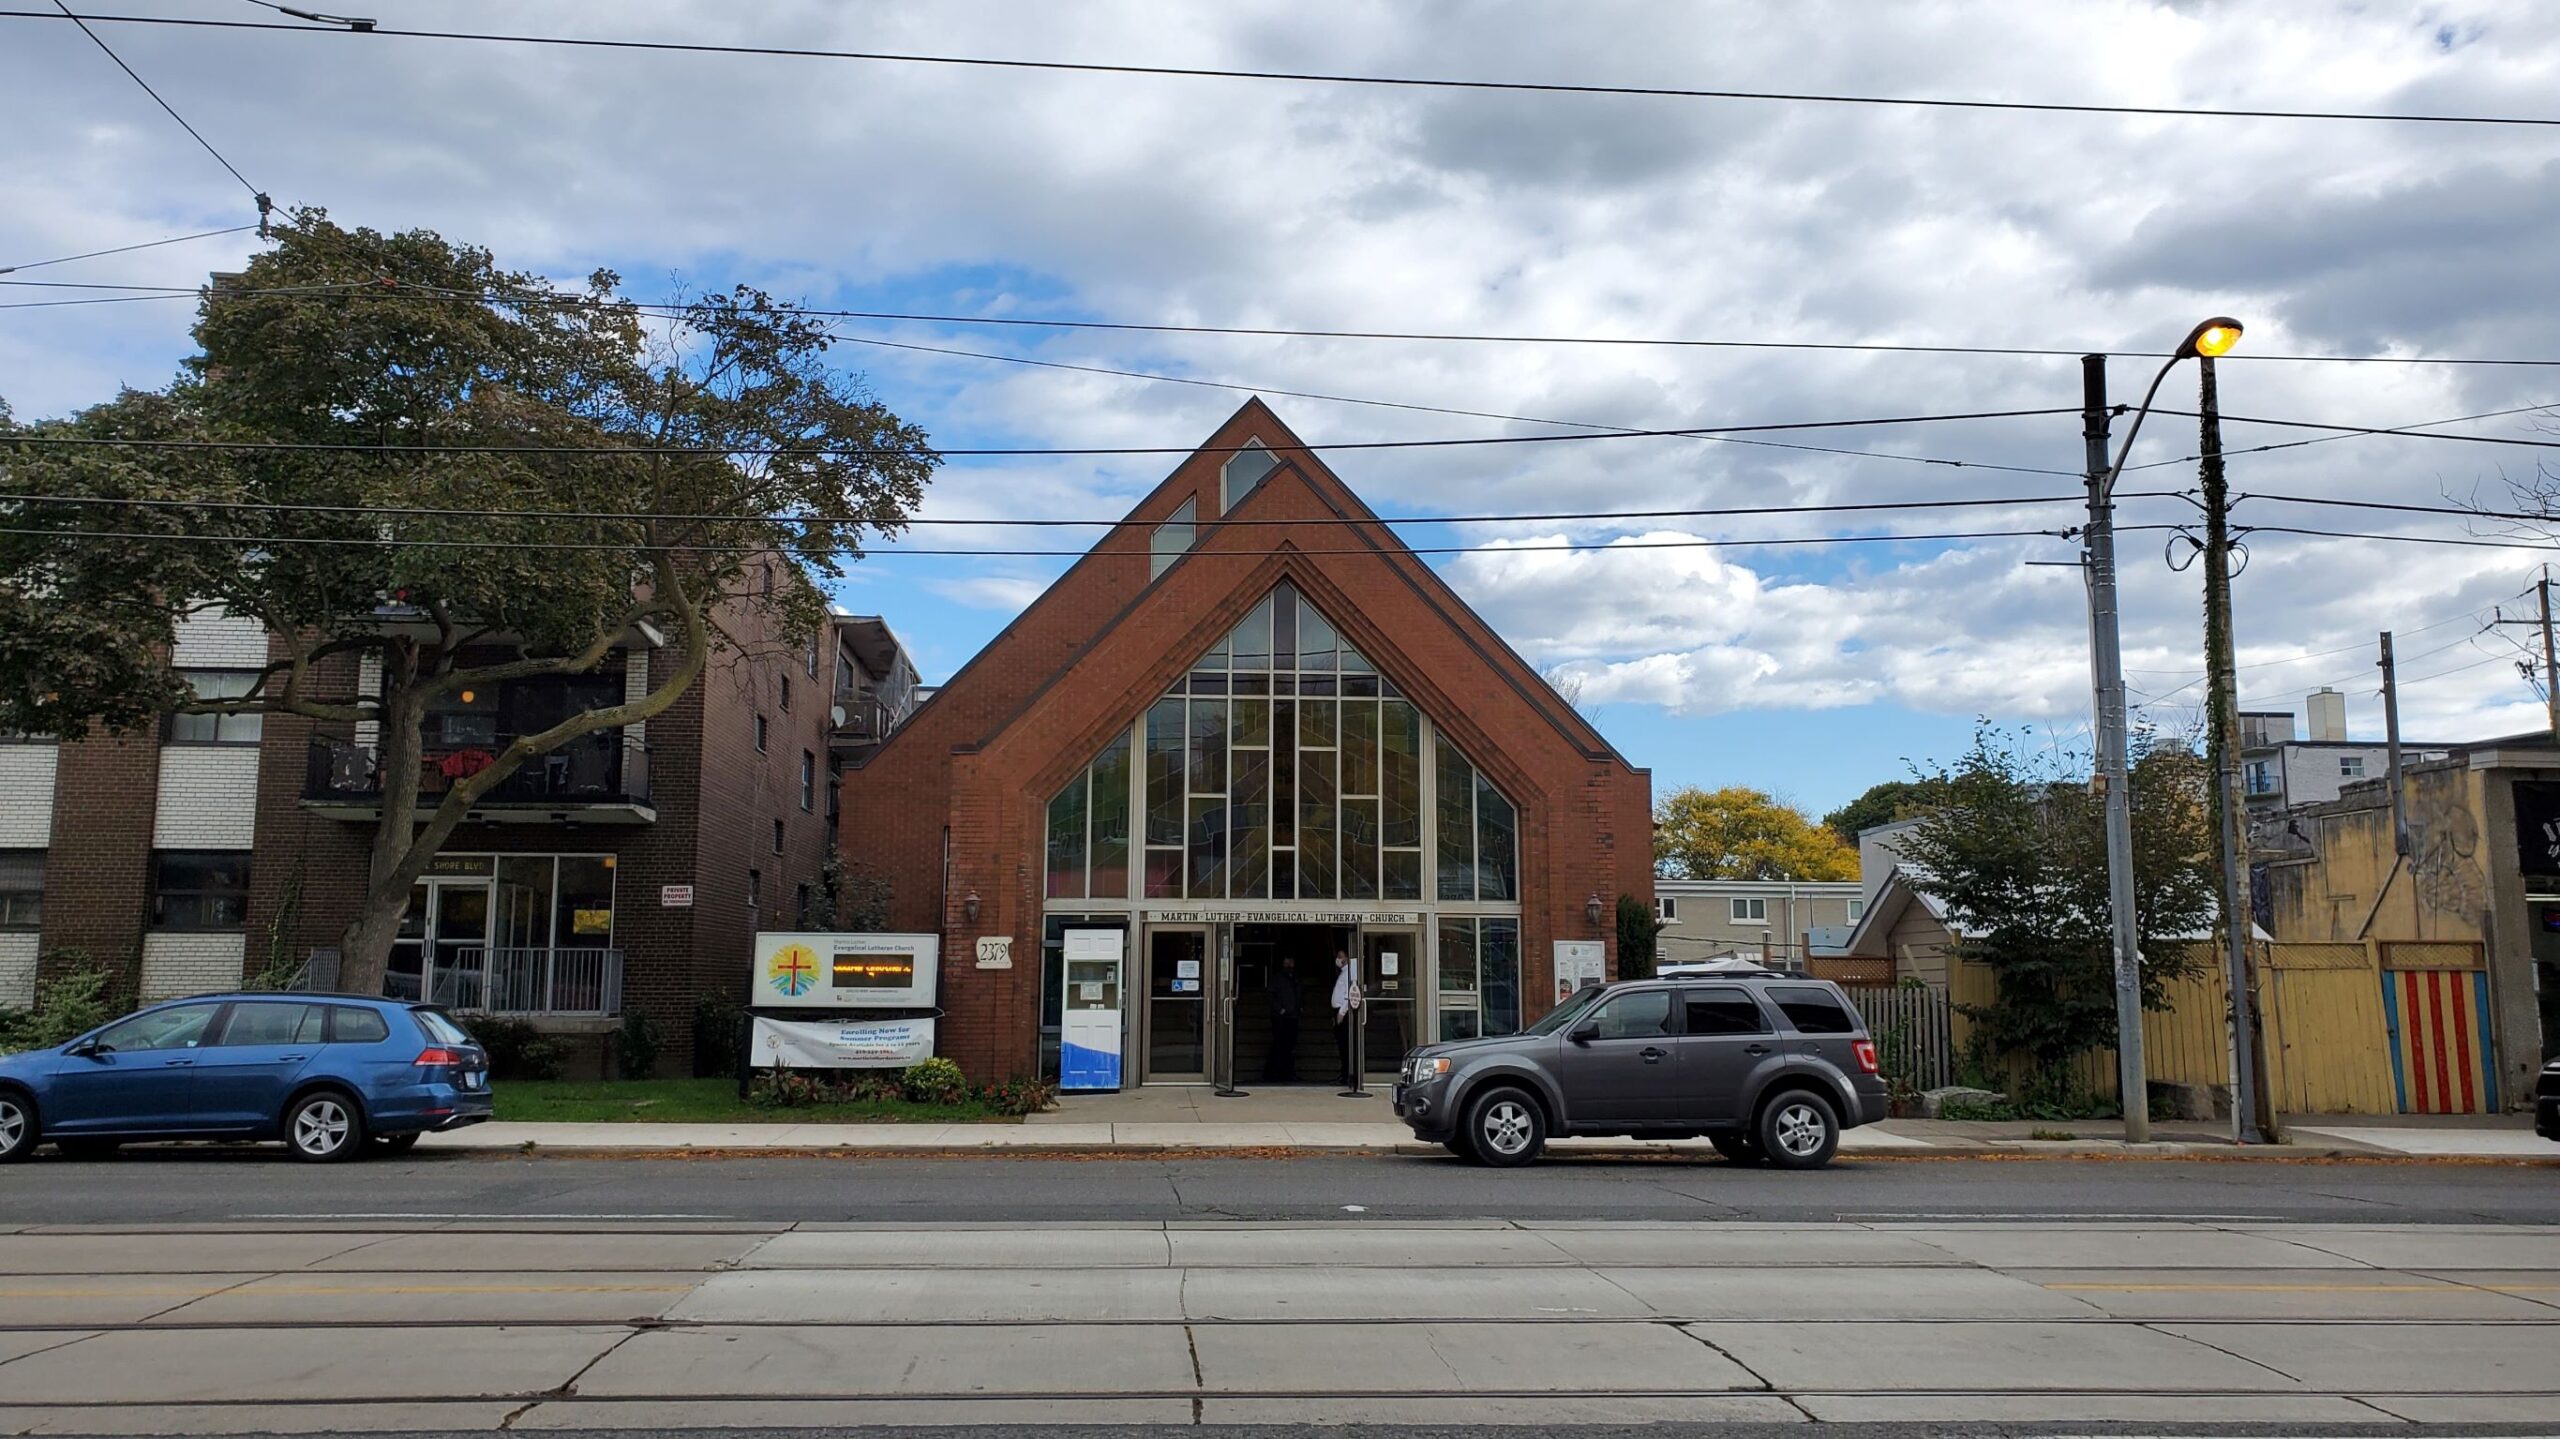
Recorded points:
(1768,1067)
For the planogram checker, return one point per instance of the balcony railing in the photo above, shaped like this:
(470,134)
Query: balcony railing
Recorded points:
(604,768)
(470,980)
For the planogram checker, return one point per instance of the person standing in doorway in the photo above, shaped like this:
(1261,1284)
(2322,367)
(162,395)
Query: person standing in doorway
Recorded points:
(1346,1011)
(1281,1066)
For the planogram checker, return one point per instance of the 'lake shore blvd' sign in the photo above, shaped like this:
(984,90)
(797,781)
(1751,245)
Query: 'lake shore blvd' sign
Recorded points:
(1281,916)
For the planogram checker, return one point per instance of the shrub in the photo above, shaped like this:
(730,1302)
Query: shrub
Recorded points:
(78,998)
(719,1031)
(636,1045)
(1019,1096)
(517,1050)
(779,1088)
(935,1081)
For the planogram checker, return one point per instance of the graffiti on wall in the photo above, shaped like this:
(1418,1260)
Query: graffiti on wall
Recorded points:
(2444,859)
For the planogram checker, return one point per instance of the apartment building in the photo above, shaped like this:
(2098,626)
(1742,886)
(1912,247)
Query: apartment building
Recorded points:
(1790,922)
(628,868)
(2280,772)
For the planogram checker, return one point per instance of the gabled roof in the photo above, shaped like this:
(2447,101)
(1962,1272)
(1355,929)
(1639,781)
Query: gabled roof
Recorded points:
(1153,627)
(1905,887)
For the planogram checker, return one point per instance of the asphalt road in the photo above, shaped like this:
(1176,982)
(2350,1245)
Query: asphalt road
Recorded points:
(639,1327)
(256,1184)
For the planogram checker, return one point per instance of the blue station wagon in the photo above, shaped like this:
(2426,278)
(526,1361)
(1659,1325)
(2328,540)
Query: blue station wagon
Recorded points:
(330,1075)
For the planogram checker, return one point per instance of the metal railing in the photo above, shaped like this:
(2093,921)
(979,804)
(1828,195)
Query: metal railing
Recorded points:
(606,767)
(479,980)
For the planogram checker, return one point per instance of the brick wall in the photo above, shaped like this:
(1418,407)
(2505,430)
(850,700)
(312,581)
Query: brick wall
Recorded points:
(18,970)
(208,797)
(97,872)
(211,639)
(26,795)
(179,963)
(981,759)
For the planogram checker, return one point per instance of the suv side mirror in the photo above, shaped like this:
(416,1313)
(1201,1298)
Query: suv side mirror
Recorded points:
(88,1048)
(1584,1033)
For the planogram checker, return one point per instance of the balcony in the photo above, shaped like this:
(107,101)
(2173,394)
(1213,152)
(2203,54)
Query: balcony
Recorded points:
(573,983)
(599,778)
(862,724)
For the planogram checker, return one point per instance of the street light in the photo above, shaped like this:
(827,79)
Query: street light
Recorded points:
(2212,337)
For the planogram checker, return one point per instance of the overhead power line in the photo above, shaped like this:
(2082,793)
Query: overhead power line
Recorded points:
(2349,435)
(2407,431)
(1298,332)
(1311,77)
(118,250)
(648,452)
(161,502)
(264,204)
(1501,547)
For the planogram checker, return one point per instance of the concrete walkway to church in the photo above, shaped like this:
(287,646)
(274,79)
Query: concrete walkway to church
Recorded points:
(1160,1118)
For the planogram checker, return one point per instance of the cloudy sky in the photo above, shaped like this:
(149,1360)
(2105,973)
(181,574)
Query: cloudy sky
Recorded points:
(1812,670)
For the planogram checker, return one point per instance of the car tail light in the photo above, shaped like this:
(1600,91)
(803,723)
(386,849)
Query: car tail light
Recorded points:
(1866,1052)
(438,1055)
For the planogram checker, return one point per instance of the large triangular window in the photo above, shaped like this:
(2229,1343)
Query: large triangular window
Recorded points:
(1282,766)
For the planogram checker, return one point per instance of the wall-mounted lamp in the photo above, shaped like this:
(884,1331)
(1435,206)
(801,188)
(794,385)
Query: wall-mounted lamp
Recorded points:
(1591,909)
(969,906)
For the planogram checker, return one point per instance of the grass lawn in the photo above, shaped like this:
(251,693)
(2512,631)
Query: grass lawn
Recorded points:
(703,1101)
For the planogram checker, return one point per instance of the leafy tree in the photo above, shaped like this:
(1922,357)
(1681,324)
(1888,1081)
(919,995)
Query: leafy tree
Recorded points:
(1882,804)
(1737,833)
(2018,857)
(392,448)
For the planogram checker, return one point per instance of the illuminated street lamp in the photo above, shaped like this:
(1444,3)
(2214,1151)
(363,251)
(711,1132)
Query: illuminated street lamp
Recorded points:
(2207,340)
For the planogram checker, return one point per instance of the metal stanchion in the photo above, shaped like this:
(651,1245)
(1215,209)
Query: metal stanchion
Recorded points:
(1359,1022)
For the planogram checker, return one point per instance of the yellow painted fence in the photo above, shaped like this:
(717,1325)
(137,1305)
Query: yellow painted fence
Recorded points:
(2330,1038)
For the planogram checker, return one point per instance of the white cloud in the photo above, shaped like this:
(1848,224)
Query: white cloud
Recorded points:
(1262,203)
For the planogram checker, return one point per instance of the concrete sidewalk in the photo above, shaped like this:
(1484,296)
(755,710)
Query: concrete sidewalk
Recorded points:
(1057,1133)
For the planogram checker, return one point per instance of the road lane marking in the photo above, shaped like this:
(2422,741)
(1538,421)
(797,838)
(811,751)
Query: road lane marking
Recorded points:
(2447,1288)
(311,1289)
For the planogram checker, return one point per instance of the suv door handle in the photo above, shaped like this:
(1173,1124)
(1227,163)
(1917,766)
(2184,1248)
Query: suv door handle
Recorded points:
(176,1063)
(291,1058)
(1755,1049)
(1653,1054)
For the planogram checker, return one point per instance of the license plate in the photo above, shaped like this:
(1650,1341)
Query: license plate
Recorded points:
(473,1079)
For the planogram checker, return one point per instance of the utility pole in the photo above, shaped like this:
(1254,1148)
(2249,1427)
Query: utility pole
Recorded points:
(2550,690)
(2250,1121)
(2391,750)
(2106,680)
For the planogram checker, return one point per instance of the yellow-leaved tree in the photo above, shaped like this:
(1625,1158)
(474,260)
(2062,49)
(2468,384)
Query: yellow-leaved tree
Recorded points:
(1739,833)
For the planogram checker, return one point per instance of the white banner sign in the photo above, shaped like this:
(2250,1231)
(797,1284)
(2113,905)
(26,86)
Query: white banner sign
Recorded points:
(814,1044)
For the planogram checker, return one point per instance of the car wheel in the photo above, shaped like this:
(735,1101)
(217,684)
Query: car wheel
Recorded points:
(1738,1147)
(1505,1129)
(87,1148)
(323,1127)
(18,1130)
(396,1143)
(1798,1130)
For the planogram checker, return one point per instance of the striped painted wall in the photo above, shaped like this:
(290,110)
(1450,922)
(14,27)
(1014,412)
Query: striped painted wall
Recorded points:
(2439,1020)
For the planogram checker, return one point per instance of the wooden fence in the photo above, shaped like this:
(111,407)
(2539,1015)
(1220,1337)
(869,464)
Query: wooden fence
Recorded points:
(2349,1028)
(1914,1029)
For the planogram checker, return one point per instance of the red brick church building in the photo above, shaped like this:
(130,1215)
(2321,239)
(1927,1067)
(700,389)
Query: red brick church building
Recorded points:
(1247,731)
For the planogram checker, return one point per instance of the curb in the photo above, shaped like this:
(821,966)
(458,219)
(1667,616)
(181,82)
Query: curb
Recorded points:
(2010,1150)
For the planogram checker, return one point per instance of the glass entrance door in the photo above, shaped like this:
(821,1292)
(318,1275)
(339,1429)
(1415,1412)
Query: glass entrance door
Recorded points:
(1391,982)
(1178,1004)
(458,929)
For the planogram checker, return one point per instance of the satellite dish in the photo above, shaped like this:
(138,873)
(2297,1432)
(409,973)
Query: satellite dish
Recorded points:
(835,715)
